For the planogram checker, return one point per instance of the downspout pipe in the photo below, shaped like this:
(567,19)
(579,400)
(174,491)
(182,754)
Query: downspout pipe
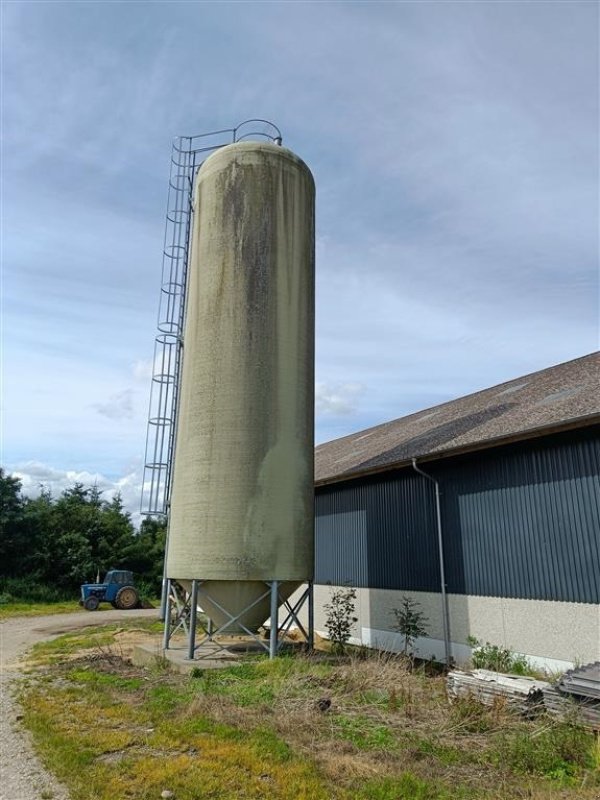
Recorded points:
(445,613)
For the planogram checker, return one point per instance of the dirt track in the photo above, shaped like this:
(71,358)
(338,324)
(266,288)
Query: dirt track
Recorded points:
(21,775)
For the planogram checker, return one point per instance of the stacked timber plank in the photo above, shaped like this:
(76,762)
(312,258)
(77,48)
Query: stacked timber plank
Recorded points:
(524,695)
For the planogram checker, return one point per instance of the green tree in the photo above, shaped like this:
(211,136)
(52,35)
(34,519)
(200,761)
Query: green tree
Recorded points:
(11,522)
(57,544)
(145,556)
(38,524)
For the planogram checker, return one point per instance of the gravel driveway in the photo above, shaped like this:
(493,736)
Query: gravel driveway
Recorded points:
(21,775)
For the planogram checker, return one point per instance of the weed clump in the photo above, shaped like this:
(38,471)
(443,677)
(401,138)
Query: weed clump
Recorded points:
(498,659)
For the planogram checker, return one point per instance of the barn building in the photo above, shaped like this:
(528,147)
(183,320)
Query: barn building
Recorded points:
(514,471)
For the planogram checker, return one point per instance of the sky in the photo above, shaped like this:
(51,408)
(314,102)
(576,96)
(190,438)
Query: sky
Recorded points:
(455,152)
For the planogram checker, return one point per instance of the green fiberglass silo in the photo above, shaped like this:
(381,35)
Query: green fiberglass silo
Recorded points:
(242,490)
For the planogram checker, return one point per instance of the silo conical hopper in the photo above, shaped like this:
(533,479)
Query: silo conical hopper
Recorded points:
(242,492)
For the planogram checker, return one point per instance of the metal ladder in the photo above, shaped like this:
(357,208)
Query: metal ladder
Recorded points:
(187,155)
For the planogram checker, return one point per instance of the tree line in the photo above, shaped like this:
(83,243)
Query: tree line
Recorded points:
(50,545)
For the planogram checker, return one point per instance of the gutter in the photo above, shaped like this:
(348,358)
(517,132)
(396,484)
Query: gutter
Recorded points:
(445,611)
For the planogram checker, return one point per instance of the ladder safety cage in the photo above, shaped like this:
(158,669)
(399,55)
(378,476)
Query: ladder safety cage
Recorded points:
(187,155)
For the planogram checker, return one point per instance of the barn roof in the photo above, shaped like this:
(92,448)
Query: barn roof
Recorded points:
(558,398)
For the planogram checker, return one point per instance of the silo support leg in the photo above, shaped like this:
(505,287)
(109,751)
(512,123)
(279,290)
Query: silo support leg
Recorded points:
(164,593)
(193,614)
(310,639)
(167,632)
(274,618)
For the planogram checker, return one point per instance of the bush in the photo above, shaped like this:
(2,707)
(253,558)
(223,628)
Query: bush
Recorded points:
(498,659)
(29,590)
(409,622)
(146,589)
(340,617)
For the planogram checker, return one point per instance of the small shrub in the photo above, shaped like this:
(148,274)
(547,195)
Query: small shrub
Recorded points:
(340,617)
(497,658)
(410,622)
(146,590)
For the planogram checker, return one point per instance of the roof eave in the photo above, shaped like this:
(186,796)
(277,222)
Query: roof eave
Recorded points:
(530,433)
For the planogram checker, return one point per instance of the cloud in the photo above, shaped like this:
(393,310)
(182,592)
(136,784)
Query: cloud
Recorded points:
(142,370)
(337,399)
(118,406)
(36,476)
(455,152)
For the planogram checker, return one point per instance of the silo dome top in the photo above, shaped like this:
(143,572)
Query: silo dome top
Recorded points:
(250,151)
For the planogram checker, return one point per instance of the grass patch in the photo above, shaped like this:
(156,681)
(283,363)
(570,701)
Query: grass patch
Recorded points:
(245,685)
(75,642)
(297,728)
(364,733)
(18,609)
(444,753)
(100,679)
(558,751)
(93,638)
(410,787)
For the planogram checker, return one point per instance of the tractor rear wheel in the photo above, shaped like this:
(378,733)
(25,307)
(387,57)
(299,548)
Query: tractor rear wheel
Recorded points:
(91,603)
(127,598)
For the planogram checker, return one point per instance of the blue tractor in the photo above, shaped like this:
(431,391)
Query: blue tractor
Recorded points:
(118,589)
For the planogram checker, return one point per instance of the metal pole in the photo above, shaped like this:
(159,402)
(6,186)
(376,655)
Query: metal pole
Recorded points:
(274,618)
(163,597)
(445,612)
(311,617)
(193,611)
(167,633)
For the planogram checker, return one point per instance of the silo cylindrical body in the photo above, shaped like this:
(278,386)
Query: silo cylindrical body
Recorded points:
(242,491)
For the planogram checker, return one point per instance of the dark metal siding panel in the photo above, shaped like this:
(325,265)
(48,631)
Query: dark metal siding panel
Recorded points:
(400,534)
(341,549)
(518,522)
(525,523)
(403,545)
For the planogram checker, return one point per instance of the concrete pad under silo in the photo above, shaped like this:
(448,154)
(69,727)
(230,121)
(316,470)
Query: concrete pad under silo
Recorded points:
(208,656)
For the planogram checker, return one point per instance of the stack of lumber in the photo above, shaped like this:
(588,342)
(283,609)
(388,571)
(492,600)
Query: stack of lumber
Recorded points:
(524,695)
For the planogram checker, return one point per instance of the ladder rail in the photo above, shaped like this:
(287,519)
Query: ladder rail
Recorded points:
(187,155)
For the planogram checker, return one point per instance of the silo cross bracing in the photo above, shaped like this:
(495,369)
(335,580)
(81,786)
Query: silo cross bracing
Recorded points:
(242,491)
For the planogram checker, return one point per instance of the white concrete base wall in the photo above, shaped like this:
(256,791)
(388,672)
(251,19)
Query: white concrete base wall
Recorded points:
(553,635)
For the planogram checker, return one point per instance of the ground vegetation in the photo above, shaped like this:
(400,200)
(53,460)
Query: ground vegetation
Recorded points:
(349,727)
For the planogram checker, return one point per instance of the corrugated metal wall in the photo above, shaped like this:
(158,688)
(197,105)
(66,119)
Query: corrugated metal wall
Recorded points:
(520,521)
